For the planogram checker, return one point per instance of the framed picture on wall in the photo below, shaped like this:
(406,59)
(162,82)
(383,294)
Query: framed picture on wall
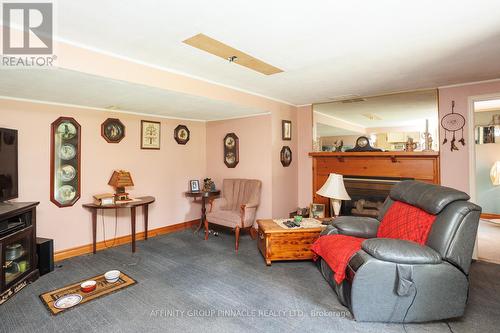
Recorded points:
(286,130)
(150,134)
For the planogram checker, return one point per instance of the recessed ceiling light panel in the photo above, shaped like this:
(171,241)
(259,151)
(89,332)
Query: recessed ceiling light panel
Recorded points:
(226,52)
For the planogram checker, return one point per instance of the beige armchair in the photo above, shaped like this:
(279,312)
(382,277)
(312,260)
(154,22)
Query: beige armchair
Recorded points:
(237,206)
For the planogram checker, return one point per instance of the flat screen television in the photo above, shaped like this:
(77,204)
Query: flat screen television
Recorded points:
(8,164)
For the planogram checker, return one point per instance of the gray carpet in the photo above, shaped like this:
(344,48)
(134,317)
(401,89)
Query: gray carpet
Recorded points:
(186,284)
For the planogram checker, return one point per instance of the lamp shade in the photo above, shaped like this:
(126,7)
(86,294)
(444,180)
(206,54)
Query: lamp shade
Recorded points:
(334,188)
(121,178)
(495,173)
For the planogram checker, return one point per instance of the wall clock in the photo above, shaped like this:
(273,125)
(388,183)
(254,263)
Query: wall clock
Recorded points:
(112,130)
(65,162)
(363,144)
(231,150)
(181,134)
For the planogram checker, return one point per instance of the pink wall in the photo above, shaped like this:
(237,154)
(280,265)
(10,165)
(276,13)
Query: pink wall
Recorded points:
(304,147)
(164,173)
(455,165)
(285,187)
(254,135)
(260,146)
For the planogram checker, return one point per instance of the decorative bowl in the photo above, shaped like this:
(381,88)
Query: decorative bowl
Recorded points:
(88,286)
(112,276)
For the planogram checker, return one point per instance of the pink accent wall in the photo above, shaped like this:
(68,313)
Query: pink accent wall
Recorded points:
(304,147)
(285,187)
(260,146)
(162,173)
(254,135)
(455,165)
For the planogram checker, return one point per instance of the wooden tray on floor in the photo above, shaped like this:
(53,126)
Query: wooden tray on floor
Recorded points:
(103,288)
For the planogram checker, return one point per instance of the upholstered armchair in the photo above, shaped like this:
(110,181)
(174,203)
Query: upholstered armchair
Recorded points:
(236,208)
(395,280)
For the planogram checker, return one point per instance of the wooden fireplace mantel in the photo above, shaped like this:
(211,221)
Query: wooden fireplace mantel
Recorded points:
(422,166)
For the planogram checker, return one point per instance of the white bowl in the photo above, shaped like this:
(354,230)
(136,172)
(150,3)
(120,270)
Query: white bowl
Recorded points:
(112,276)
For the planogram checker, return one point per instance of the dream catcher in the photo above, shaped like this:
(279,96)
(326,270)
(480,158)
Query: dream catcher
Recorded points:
(453,122)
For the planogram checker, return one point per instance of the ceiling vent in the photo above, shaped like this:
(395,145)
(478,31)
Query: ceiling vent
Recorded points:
(353,100)
(371,116)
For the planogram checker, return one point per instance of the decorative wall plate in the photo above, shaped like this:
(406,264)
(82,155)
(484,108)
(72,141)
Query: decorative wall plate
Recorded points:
(286,156)
(65,162)
(67,152)
(112,130)
(66,130)
(66,193)
(67,173)
(231,150)
(181,134)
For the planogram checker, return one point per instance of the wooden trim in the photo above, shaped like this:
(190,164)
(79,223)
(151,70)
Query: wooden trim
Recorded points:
(380,153)
(490,216)
(86,249)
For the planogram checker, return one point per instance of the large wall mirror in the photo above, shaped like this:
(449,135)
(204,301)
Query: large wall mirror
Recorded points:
(392,122)
(487,151)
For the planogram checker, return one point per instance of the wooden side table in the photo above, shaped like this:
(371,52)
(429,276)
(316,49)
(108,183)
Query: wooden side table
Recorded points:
(132,205)
(204,195)
(277,243)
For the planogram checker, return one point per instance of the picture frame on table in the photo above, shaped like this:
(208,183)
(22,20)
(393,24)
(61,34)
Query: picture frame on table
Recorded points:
(317,211)
(150,134)
(194,185)
(286,130)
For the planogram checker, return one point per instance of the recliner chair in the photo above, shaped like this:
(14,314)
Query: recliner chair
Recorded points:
(392,280)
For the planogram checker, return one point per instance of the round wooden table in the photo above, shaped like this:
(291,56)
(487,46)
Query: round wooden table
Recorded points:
(204,195)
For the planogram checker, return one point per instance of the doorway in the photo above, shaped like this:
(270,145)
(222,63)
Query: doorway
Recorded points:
(485,174)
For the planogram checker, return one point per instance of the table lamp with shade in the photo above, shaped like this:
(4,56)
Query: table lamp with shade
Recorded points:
(334,189)
(495,173)
(119,180)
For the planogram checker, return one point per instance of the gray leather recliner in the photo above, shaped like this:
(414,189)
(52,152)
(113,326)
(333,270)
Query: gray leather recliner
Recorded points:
(391,280)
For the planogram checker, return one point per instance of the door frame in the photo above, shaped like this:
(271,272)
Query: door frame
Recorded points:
(472,149)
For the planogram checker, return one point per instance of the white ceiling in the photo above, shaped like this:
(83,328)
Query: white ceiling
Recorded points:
(489,105)
(70,87)
(323,130)
(326,48)
(395,110)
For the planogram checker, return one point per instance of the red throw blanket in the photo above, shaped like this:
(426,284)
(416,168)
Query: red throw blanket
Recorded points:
(402,221)
(337,250)
(407,222)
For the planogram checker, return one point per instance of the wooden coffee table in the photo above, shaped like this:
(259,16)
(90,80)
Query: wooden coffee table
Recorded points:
(277,243)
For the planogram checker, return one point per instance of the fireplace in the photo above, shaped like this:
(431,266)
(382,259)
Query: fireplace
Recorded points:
(367,194)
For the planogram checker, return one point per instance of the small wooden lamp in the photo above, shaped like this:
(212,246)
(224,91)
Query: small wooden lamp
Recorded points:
(119,180)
